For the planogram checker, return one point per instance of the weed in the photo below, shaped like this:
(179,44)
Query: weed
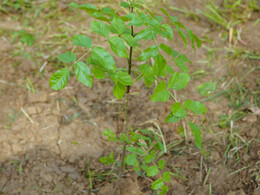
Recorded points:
(142,149)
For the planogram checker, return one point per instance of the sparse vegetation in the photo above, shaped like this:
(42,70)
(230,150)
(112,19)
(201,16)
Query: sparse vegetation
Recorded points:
(57,142)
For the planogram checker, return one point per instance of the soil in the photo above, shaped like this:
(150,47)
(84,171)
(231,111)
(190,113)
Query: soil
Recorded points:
(50,142)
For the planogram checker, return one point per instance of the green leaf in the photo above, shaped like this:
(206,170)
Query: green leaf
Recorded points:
(124,78)
(131,149)
(117,45)
(178,80)
(197,135)
(100,56)
(167,176)
(83,74)
(198,41)
(159,19)
(147,159)
(169,69)
(124,4)
(119,91)
(67,57)
(148,53)
(167,49)
(136,21)
(145,18)
(99,16)
(107,159)
(157,184)
(131,159)
(168,31)
(183,35)
(110,135)
(108,11)
(161,94)
(193,38)
(178,111)
(172,119)
(153,155)
(59,79)
(128,17)
(180,62)
(190,36)
(152,171)
(82,40)
(173,19)
(100,28)
(161,164)
(129,39)
(196,107)
(27,38)
(147,70)
(176,107)
(148,81)
(144,34)
(98,72)
(207,88)
(159,67)
(89,8)
(117,26)
(164,189)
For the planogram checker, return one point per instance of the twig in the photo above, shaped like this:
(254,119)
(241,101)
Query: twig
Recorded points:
(27,116)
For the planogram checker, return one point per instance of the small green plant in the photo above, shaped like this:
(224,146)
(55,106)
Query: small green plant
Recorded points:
(141,148)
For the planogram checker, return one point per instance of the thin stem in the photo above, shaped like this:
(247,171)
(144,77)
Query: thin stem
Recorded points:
(126,101)
(126,109)
(175,99)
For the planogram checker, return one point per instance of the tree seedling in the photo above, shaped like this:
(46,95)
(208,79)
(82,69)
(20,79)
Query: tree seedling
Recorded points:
(141,148)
